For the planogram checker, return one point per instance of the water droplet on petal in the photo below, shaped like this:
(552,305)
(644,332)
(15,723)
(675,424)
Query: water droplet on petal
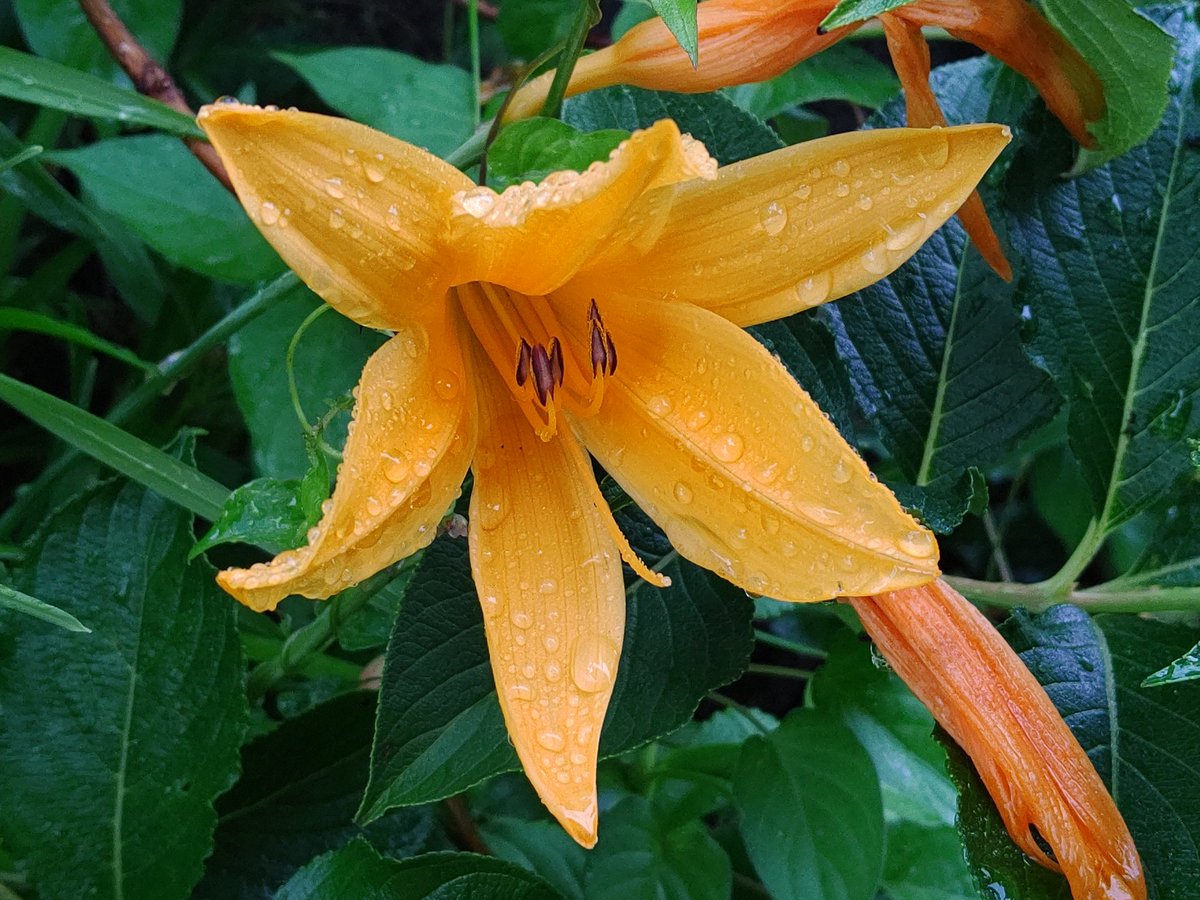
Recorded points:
(374,507)
(841,168)
(334,188)
(682,492)
(919,544)
(905,234)
(594,663)
(803,192)
(814,289)
(336,219)
(840,473)
(269,213)
(842,190)
(728,447)
(659,405)
(521,618)
(935,150)
(520,691)
(375,168)
(875,261)
(446,384)
(551,740)
(393,218)
(548,586)
(774,218)
(395,468)
(698,419)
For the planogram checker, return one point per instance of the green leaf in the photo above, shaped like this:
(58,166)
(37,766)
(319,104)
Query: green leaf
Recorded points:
(1132,57)
(847,12)
(61,32)
(296,798)
(943,505)
(329,361)
(32,606)
(1111,301)
(28,320)
(358,871)
(811,811)
(529,27)
(730,134)
(1171,558)
(170,477)
(642,855)
(841,72)
(136,732)
(160,192)
(540,846)
(925,864)
(440,729)
(680,17)
(893,726)
(266,512)
(934,351)
(125,257)
(423,103)
(47,83)
(1093,669)
(531,149)
(1186,668)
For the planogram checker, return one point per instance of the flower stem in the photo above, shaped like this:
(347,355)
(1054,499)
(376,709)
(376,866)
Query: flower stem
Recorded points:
(1063,582)
(290,361)
(797,647)
(170,370)
(1044,594)
(584,20)
(473,40)
(744,711)
(778,671)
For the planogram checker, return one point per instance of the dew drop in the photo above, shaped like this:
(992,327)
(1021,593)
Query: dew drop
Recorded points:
(682,492)
(814,290)
(550,642)
(875,262)
(594,663)
(935,151)
(865,202)
(521,691)
(445,384)
(904,235)
(840,473)
(269,213)
(803,192)
(548,586)
(919,544)
(374,507)
(774,219)
(842,190)
(841,168)
(492,605)
(728,447)
(698,419)
(553,671)
(334,188)
(395,468)
(478,201)
(492,512)
(336,219)
(659,405)
(375,168)
(393,218)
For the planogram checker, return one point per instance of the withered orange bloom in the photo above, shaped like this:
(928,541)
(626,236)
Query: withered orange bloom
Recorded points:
(596,311)
(742,41)
(983,695)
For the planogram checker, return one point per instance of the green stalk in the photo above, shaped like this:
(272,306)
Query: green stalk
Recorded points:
(586,18)
(1044,594)
(473,40)
(797,647)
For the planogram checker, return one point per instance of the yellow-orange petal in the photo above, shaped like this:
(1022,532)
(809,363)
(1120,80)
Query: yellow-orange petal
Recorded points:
(410,443)
(719,445)
(533,237)
(1017,34)
(795,228)
(738,41)
(360,216)
(910,56)
(549,580)
(983,695)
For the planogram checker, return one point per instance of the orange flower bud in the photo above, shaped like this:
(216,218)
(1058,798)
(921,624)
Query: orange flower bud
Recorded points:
(740,41)
(981,693)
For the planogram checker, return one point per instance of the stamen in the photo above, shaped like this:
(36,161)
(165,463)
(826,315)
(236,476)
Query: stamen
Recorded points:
(612,353)
(556,361)
(524,361)
(599,351)
(543,377)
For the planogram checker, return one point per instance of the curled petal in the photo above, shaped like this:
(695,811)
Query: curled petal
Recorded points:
(719,445)
(983,695)
(360,216)
(739,41)
(549,580)
(795,228)
(411,441)
(1018,35)
(910,56)
(533,237)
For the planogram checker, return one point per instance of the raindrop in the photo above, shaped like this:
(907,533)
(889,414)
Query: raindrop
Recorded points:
(394,468)
(682,492)
(814,290)
(553,671)
(698,419)
(774,219)
(548,586)
(376,168)
(919,544)
(935,152)
(521,691)
(729,447)
(521,618)
(875,262)
(334,188)
(492,604)
(904,235)
(336,219)
(841,168)
(840,473)
(551,642)
(374,507)
(446,384)
(659,405)
(479,201)
(393,218)
(803,192)
(269,213)
(491,513)
(865,202)
(594,663)
(842,190)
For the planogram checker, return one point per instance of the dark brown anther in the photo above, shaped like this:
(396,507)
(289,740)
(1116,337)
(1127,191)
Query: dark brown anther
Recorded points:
(612,353)
(594,314)
(524,361)
(556,361)
(599,355)
(543,375)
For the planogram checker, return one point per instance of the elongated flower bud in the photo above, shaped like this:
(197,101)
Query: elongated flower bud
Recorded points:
(740,41)
(983,695)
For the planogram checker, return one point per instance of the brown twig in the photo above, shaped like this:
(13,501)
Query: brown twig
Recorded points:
(463,826)
(148,76)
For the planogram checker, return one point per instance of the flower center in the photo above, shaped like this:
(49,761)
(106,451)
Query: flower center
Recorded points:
(545,368)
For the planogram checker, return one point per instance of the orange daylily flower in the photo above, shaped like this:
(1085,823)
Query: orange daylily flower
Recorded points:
(742,41)
(595,310)
(983,695)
